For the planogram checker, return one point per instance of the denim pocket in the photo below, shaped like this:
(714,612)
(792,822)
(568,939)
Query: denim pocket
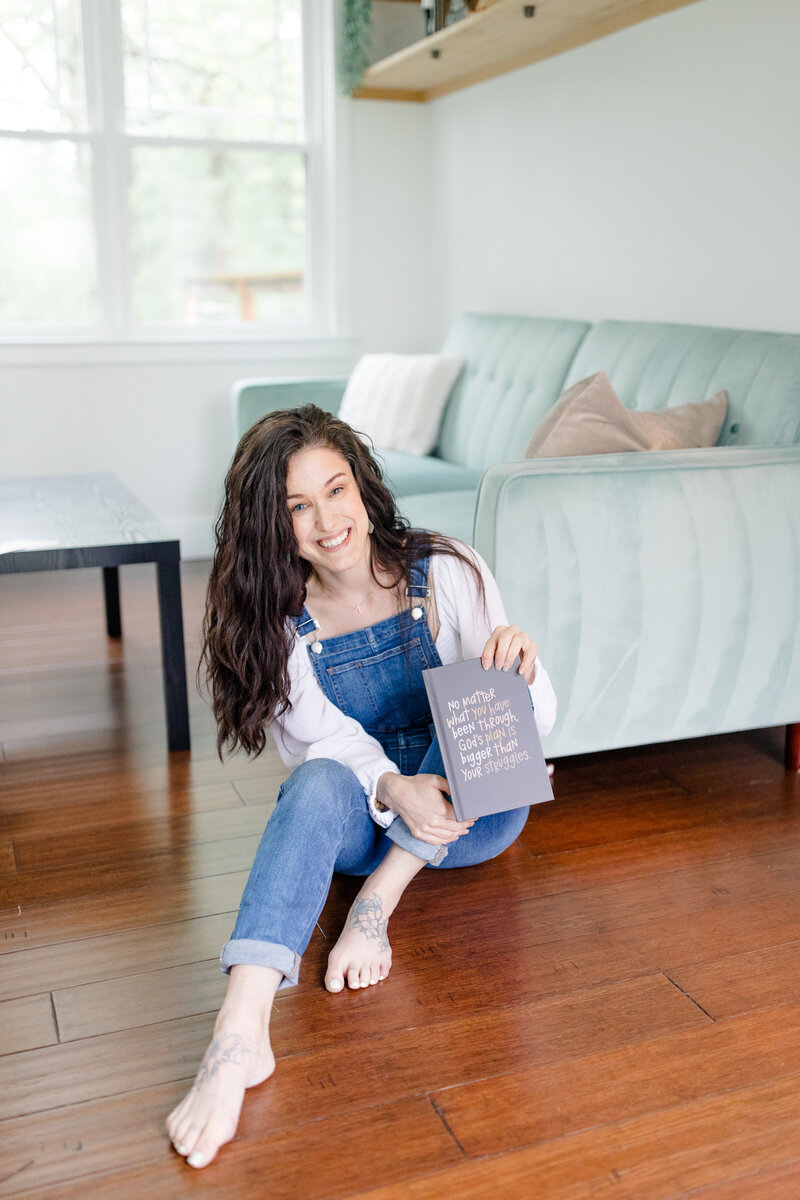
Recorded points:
(385,658)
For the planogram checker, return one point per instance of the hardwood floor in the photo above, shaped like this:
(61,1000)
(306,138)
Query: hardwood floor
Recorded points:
(610,1009)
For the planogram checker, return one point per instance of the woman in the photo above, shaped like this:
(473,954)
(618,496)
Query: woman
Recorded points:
(319,618)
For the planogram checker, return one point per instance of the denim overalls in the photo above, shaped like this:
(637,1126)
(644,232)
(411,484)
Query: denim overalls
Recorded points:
(375,675)
(322,821)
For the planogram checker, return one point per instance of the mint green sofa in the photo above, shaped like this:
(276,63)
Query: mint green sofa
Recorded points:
(664,589)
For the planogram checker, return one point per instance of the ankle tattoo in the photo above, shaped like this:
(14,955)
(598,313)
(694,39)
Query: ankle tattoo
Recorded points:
(367,917)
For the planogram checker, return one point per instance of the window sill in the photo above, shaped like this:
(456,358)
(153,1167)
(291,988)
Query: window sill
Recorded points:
(202,347)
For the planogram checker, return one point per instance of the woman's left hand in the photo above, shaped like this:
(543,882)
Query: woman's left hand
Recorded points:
(503,646)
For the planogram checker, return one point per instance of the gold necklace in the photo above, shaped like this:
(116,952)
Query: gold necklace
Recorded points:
(356,607)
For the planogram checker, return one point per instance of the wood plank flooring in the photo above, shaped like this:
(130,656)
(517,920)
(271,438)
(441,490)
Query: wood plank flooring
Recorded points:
(609,1009)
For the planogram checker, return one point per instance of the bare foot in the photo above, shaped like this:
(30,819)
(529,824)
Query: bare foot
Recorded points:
(362,954)
(238,1058)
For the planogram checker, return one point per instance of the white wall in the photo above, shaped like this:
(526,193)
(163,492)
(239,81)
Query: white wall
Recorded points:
(393,217)
(654,174)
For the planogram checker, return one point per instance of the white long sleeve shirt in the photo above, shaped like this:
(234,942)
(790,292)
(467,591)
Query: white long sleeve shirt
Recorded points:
(316,728)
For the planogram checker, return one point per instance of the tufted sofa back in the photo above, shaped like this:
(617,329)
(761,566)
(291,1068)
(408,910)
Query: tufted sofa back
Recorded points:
(515,370)
(654,366)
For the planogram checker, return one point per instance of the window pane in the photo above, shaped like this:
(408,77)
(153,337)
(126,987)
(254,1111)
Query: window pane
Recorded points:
(198,68)
(46,244)
(217,236)
(41,66)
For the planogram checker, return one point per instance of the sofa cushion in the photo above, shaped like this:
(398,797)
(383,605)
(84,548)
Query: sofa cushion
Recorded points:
(253,398)
(655,366)
(590,418)
(515,371)
(407,474)
(397,399)
(451,513)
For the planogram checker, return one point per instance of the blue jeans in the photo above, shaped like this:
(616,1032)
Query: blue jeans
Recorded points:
(322,824)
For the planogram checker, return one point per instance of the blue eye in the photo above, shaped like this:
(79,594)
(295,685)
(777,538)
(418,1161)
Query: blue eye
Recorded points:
(297,507)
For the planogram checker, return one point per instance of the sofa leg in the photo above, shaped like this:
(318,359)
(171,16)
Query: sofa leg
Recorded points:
(793,747)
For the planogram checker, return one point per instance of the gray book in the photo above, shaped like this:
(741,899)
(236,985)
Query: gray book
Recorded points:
(487,734)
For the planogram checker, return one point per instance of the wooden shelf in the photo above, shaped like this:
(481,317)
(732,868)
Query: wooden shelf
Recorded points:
(498,38)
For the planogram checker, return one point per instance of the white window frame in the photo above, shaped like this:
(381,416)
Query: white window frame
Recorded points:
(115,338)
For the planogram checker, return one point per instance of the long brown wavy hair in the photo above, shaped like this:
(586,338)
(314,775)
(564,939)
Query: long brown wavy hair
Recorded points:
(258,579)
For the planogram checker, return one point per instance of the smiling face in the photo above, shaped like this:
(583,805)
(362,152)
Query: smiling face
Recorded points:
(328,515)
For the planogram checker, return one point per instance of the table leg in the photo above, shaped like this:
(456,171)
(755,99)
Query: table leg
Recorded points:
(173,655)
(111,593)
(793,747)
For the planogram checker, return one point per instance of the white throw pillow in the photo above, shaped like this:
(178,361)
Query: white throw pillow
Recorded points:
(398,399)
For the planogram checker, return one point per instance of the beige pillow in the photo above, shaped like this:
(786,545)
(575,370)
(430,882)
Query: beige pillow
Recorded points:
(590,418)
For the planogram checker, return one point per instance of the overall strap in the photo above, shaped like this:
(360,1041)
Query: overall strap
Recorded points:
(422,596)
(306,626)
(417,587)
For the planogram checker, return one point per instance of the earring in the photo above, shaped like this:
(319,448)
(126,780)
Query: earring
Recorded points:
(370,527)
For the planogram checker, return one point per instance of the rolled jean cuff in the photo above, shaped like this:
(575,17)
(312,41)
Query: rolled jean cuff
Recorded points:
(254,953)
(402,836)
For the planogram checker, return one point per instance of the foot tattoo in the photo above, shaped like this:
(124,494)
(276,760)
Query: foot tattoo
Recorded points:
(208,1115)
(230,1048)
(366,916)
(362,955)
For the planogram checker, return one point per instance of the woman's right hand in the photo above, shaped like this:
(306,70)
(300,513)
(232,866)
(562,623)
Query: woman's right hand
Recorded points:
(421,800)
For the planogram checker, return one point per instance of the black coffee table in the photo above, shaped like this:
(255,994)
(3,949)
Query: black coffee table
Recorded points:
(57,522)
